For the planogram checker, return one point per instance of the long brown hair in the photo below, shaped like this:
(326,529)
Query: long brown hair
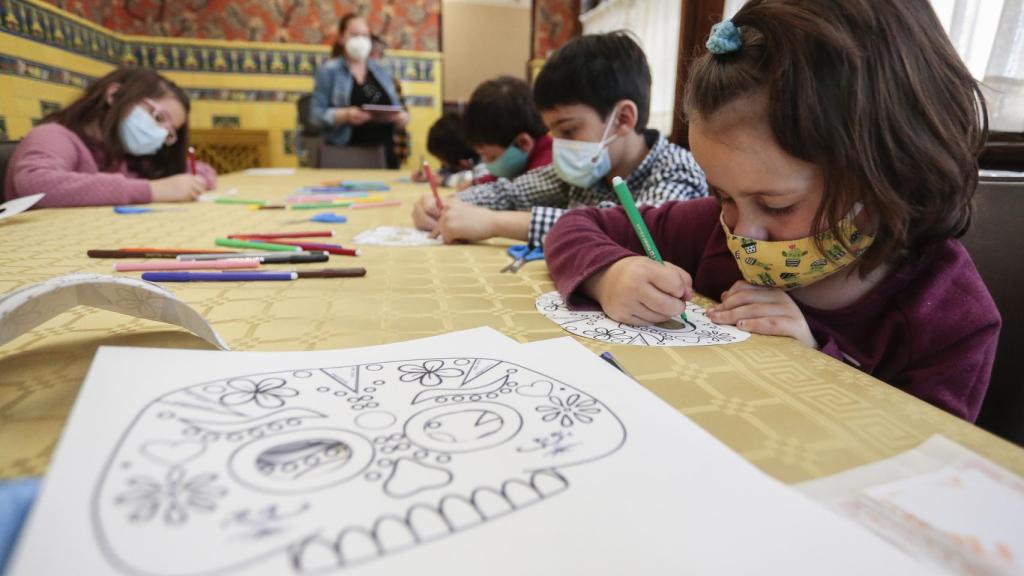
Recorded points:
(339,49)
(92,110)
(875,95)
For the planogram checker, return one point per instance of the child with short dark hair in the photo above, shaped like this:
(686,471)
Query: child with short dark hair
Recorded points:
(840,138)
(446,140)
(593,94)
(502,125)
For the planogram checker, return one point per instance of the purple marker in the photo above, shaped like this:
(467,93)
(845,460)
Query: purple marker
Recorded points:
(217,276)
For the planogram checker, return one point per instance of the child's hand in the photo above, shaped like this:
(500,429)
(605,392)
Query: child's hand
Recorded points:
(464,221)
(179,188)
(418,176)
(763,311)
(425,212)
(638,290)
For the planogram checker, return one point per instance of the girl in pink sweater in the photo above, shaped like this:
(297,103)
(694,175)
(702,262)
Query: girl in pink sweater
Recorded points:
(840,140)
(124,141)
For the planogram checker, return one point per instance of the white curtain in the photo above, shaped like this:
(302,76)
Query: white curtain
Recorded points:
(989,36)
(656,26)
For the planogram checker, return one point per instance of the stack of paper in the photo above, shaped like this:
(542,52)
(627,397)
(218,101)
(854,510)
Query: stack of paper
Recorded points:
(464,454)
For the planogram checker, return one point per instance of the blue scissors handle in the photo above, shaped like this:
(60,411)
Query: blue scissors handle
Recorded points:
(521,254)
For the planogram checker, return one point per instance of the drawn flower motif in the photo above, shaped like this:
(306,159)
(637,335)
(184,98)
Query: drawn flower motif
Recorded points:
(177,495)
(715,335)
(608,334)
(575,408)
(431,373)
(268,393)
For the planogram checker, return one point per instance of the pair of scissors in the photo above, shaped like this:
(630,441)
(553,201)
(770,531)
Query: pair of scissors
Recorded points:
(521,254)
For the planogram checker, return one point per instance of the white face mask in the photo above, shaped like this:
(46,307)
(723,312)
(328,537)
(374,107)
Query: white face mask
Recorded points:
(358,48)
(140,133)
(583,163)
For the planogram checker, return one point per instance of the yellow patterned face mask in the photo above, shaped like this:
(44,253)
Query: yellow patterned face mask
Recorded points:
(790,264)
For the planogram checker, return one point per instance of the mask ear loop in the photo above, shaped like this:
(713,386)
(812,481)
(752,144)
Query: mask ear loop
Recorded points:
(605,141)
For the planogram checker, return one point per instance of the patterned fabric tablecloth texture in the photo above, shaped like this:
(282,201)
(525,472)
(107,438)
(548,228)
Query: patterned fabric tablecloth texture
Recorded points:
(791,411)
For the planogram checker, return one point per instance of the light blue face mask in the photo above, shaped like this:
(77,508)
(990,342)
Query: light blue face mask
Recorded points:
(583,163)
(140,133)
(510,164)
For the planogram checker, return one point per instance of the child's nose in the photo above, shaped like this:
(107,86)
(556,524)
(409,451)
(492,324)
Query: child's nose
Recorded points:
(749,228)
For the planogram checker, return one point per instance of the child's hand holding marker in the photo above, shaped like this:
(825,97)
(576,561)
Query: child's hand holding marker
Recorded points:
(641,291)
(763,311)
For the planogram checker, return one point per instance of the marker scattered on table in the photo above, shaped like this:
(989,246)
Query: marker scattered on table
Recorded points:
(225,264)
(252,276)
(227,200)
(312,234)
(382,204)
(301,257)
(149,253)
(332,248)
(607,357)
(626,199)
(433,185)
(254,245)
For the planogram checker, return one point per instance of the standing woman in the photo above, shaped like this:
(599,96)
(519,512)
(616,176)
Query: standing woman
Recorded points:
(124,141)
(350,80)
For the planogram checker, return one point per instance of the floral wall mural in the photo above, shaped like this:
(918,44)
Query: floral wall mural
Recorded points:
(407,25)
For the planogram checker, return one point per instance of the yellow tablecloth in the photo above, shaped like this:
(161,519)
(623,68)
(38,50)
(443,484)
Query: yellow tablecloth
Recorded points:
(793,412)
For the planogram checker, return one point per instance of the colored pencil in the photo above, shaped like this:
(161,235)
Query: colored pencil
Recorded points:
(229,264)
(192,160)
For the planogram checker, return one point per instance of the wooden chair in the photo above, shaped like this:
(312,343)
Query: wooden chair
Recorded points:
(995,244)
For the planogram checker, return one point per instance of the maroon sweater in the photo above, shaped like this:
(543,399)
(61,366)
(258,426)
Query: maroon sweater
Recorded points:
(930,328)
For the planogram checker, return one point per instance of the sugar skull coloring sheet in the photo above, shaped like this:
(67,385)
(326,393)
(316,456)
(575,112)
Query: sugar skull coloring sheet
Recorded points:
(260,464)
(698,330)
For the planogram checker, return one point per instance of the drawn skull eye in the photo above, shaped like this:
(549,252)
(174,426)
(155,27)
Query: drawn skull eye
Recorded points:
(463,428)
(301,460)
(296,459)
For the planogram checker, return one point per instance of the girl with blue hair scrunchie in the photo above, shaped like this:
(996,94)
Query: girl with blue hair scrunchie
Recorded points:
(844,167)
(724,38)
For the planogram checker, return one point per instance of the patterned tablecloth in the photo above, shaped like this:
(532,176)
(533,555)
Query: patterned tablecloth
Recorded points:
(793,412)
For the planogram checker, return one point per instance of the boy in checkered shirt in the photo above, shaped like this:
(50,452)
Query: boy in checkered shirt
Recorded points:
(594,96)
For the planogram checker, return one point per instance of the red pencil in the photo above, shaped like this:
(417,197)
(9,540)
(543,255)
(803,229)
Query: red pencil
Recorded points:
(314,234)
(192,160)
(433,185)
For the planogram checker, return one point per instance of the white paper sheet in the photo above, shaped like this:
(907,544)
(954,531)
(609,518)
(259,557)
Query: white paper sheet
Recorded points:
(595,325)
(460,454)
(19,205)
(395,236)
(941,502)
(28,307)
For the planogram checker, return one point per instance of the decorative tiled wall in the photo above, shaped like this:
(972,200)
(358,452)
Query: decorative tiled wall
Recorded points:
(49,55)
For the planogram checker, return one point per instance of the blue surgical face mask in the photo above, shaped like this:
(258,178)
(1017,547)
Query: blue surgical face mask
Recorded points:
(140,133)
(583,163)
(510,164)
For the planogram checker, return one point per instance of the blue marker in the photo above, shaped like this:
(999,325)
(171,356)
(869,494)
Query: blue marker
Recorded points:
(131,210)
(217,276)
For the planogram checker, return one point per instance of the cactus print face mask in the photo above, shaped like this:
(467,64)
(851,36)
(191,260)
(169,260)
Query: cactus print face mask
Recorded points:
(790,264)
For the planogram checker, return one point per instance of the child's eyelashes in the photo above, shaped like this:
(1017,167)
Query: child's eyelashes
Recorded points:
(783,211)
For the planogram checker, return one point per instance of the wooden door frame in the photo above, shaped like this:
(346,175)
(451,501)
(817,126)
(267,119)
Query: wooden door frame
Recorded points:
(696,19)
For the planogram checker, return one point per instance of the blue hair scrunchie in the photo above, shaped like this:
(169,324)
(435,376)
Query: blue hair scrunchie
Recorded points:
(724,38)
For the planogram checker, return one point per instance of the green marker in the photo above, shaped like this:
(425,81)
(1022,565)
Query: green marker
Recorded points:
(319,205)
(239,201)
(232,243)
(626,199)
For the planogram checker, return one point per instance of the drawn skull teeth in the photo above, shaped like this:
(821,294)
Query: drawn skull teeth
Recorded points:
(423,523)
